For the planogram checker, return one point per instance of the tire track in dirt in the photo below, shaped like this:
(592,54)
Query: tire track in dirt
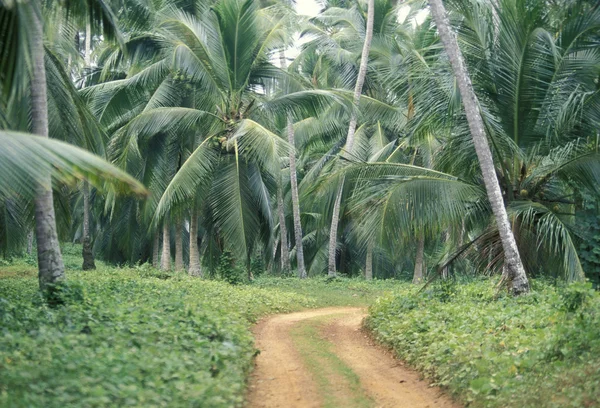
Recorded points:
(281,378)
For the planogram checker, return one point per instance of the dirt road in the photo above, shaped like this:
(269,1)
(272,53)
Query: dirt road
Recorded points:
(322,358)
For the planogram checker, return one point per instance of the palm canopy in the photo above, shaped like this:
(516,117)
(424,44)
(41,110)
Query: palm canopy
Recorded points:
(208,93)
(187,99)
(32,160)
(535,82)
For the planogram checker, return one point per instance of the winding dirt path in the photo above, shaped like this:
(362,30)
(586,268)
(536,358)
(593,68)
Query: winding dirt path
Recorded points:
(289,373)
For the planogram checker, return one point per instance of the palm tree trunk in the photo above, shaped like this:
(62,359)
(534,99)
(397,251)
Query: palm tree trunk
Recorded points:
(50,263)
(88,254)
(165,261)
(296,204)
(512,259)
(445,269)
(419,264)
(30,242)
(88,43)
(335,220)
(179,266)
(360,80)
(179,245)
(369,262)
(273,254)
(294,186)
(156,250)
(195,268)
(285,252)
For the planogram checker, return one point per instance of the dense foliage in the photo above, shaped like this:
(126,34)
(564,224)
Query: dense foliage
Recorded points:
(130,337)
(244,141)
(206,103)
(538,350)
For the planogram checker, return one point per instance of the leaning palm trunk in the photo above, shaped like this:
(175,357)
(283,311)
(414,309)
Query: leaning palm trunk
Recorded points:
(165,261)
(50,263)
(88,254)
(419,263)
(294,186)
(518,279)
(360,80)
(194,268)
(285,252)
(179,245)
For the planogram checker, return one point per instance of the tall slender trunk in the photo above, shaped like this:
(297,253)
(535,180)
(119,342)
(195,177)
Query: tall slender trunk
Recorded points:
(285,252)
(273,254)
(165,261)
(88,254)
(30,242)
(50,263)
(179,245)
(419,261)
(512,259)
(156,250)
(360,80)
(369,262)
(194,268)
(88,43)
(445,269)
(294,186)
(296,204)
(335,221)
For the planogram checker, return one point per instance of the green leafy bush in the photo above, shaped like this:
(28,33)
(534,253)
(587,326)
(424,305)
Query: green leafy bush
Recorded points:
(126,338)
(577,295)
(229,270)
(538,350)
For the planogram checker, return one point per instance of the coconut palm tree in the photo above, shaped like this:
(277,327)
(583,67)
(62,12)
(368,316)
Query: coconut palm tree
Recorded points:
(26,159)
(25,33)
(513,263)
(207,89)
(540,163)
(360,80)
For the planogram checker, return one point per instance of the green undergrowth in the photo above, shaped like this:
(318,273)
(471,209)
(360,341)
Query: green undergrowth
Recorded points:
(537,350)
(331,292)
(129,337)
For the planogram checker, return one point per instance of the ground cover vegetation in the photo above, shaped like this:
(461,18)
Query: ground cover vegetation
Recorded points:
(535,351)
(235,140)
(129,337)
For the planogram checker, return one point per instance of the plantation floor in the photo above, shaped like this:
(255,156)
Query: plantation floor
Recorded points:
(322,358)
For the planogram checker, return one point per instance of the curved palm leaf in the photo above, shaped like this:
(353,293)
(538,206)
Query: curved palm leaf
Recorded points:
(26,158)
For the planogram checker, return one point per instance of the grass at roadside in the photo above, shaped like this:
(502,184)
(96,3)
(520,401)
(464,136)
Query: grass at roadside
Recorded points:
(139,336)
(129,337)
(332,292)
(538,350)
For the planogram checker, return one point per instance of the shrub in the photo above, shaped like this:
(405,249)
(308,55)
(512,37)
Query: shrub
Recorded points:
(537,350)
(123,337)
(229,270)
